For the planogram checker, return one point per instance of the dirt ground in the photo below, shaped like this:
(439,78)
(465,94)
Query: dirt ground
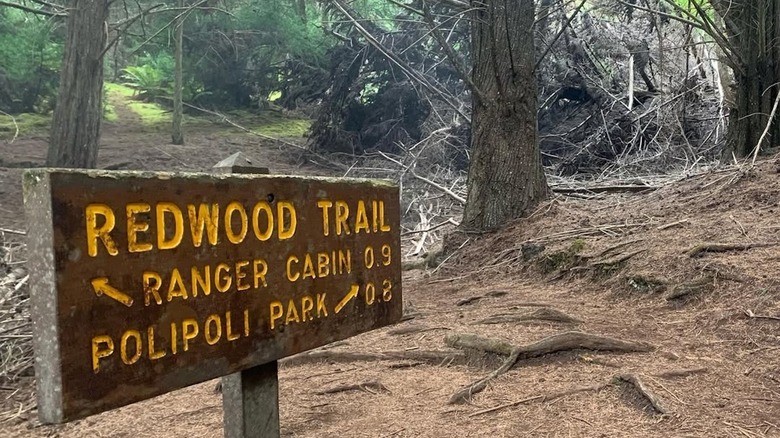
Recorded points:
(630,267)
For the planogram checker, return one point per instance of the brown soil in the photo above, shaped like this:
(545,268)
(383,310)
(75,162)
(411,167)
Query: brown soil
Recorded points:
(614,290)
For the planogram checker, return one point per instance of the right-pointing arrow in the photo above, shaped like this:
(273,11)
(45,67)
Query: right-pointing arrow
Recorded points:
(353,292)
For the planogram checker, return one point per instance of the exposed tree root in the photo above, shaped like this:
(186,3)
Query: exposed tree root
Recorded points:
(372,387)
(693,287)
(616,260)
(413,329)
(630,379)
(561,342)
(644,391)
(701,249)
(540,314)
(474,299)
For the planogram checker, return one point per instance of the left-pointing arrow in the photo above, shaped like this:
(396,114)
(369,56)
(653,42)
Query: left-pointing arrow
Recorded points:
(102,287)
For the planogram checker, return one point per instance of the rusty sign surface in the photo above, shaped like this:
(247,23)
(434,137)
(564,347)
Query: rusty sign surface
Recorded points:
(143,283)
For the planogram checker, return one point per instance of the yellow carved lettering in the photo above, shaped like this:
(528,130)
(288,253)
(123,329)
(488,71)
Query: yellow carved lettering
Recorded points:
(240,275)
(308,268)
(342,214)
(323,264)
(153,353)
(151,284)
(263,235)
(213,329)
(203,220)
(307,305)
(174,338)
(201,281)
(222,278)
(99,352)
(102,232)
(382,225)
(129,360)
(277,311)
(164,210)
(229,335)
(292,313)
(290,275)
(233,237)
(325,205)
(286,210)
(322,311)
(189,331)
(176,289)
(260,271)
(135,225)
(361,218)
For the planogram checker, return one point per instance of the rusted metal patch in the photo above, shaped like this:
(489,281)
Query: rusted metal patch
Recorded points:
(143,283)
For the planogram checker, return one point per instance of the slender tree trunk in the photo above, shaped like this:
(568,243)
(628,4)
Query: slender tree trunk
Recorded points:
(753,28)
(506,179)
(75,130)
(177,136)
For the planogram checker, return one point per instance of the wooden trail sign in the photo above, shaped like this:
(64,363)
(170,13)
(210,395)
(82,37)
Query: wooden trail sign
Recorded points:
(146,282)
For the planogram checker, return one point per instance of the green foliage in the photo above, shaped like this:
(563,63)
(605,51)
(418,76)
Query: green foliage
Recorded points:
(30,58)
(152,77)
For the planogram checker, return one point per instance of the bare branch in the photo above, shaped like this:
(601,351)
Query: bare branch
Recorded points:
(56,13)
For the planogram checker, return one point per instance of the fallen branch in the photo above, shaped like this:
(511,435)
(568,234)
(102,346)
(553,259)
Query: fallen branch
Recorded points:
(752,315)
(373,387)
(685,372)
(541,398)
(431,357)
(699,250)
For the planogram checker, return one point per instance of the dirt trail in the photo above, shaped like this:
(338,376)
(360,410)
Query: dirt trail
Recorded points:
(611,264)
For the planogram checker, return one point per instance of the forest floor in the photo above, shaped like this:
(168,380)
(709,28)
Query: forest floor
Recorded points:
(688,273)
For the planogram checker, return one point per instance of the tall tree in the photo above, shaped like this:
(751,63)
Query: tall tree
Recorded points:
(75,130)
(177,136)
(753,31)
(506,179)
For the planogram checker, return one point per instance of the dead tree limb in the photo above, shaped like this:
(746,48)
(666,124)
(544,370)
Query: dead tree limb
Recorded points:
(703,248)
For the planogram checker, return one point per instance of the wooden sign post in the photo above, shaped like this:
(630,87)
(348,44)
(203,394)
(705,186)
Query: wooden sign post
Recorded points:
(250,398)
(146,282)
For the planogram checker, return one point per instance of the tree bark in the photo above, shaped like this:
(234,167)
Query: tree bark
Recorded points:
(177,136)
(753,29)
(75,130)
(506,178)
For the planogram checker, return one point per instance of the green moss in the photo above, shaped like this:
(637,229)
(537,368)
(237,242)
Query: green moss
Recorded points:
(118,90)
(285,128)
(564,259)
(150,113)
(27,124)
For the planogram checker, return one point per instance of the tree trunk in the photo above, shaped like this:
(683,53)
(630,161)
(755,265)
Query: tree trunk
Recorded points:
(75,130)
(506,179)
(753,28)
(177,136)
